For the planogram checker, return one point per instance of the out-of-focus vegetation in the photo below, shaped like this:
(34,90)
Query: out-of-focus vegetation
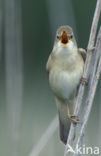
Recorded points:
(27,105)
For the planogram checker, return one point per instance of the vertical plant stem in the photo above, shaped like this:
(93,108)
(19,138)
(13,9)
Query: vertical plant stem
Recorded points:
(13,69)
(86,70)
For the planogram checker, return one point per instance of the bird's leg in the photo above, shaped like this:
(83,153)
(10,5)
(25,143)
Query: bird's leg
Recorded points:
(84,81)
(91,49)
(73,118)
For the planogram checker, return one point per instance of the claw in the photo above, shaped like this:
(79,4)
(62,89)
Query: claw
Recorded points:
(84,81)
(91,49)
(74,119)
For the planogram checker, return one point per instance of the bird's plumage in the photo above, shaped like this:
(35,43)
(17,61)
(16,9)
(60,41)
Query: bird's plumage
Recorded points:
(65,68)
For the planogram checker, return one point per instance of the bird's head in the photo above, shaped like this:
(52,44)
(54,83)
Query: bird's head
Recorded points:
(65,38)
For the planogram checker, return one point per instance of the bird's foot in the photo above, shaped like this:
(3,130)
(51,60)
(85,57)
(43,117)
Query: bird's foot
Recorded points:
(84,81)
(91,49)
(74,119)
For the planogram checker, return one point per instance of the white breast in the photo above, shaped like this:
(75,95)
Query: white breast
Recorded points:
(64,83)
(66,70)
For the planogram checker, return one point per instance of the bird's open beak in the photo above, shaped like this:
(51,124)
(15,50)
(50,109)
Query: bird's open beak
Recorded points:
(64,39)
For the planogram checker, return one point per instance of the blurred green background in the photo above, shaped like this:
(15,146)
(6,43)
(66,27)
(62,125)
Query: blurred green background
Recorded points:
(27,106)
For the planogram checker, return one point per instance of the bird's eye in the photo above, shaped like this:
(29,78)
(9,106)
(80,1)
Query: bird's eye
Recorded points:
(71,36)
(58,37)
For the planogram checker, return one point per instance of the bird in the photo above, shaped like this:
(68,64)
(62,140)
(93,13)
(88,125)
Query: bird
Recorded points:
(65,67)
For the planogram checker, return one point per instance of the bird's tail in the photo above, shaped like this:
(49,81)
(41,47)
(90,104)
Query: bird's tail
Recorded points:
(64,131)
(64,121)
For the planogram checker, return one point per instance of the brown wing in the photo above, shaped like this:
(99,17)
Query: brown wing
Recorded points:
(83,53)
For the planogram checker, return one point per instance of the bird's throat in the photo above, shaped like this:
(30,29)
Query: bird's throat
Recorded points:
(65,50)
